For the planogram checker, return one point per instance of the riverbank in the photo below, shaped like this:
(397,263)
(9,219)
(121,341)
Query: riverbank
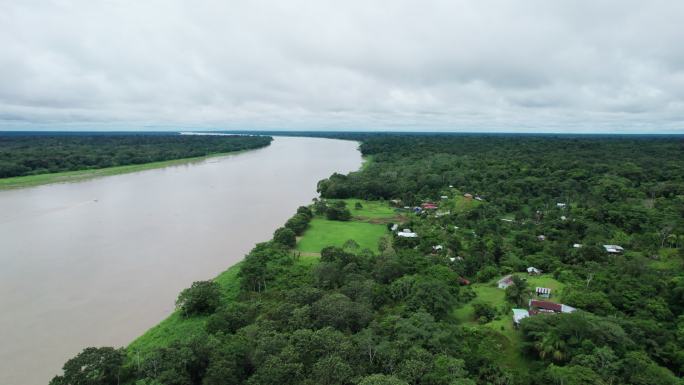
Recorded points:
(81,175)
(135,241)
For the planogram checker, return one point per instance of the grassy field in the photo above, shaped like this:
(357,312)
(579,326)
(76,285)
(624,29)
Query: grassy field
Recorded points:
(322,233)
(75,176)
(461,204)
(370,209)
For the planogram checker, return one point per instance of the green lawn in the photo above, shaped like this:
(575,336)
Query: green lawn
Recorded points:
(546,280)
(322,233)
(370,209)
(462,204)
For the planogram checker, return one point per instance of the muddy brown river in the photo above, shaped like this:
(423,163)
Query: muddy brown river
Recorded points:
(96,263)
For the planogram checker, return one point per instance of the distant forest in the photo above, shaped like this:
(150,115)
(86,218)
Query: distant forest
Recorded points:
(40,154)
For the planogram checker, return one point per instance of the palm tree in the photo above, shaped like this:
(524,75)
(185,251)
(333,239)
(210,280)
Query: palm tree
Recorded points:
(551,346)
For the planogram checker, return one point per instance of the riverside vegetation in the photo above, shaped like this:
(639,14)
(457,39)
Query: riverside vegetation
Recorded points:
(399,311)
(27,160)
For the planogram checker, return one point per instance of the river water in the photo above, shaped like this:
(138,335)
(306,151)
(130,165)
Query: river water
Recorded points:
(96,263)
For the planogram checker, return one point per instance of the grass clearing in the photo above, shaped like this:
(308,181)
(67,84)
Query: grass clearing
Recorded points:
(511,340)
(322,233)
(177,328)
(462,204)
(490,294)
(370,209)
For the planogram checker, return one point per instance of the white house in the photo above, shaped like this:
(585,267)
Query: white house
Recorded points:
(577,245)
(541,237)
(613,249)
(519,315)
(395,227)
(505,282)
(560,205)
(533,270)
(407,233)
(437,248)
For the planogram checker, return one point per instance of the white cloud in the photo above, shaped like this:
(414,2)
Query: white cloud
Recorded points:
(569,66)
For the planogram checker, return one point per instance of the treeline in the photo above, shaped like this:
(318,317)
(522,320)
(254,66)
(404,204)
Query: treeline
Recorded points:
(39,154)
(388,317)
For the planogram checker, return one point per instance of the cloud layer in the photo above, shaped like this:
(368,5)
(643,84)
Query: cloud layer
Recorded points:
(554,66)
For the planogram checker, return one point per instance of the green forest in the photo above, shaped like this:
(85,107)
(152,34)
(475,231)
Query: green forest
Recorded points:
(598,221)
(22,155)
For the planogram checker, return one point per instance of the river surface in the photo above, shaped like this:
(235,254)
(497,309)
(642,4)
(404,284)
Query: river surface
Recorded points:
(96,263)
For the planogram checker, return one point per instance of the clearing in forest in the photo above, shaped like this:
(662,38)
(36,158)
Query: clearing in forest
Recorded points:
(323,232)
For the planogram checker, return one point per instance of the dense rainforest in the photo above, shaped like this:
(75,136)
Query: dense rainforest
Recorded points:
(423,307)
(48,153)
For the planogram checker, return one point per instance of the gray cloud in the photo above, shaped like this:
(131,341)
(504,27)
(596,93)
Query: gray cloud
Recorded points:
(562,66)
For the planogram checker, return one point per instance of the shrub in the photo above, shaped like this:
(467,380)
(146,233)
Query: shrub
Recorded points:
(203,297)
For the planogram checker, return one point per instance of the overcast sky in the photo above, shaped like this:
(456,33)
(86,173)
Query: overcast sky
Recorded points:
(524,66)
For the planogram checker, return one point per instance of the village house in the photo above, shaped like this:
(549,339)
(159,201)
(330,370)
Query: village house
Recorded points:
(519,315)
(543,292)
(541,237)
(479,198)
(505,282)
(444,197)
(533,271)
(613,249)
(428,206)
(407,233)
(538,306)
(468,196)
(437,248)
(560,205)
(577,245)
(395,227)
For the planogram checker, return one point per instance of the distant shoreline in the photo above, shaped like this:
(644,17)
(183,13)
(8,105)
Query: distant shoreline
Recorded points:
(81,175)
